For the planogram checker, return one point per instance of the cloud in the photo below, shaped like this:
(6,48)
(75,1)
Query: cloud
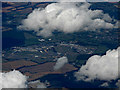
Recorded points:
(71,0)
(118,84)
(104,84)
(60,63)
(100,67)
(67,18)
(13,79)
(37,84)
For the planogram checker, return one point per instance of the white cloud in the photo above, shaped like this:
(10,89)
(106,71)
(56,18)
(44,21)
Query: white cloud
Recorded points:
(13,79)
(60,63)
(118,84)
(71,0)
(100,67)
(37,84)
(67,18)
(104,84)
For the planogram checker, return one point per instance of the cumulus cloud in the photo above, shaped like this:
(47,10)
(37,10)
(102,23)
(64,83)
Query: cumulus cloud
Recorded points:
(67,18)
(71,0)
(118,83)
(60,63)
(104,84)
(13,79)
(100,67)
(37,84)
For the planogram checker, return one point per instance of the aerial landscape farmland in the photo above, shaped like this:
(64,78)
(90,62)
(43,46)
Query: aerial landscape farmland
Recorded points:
(36,52)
